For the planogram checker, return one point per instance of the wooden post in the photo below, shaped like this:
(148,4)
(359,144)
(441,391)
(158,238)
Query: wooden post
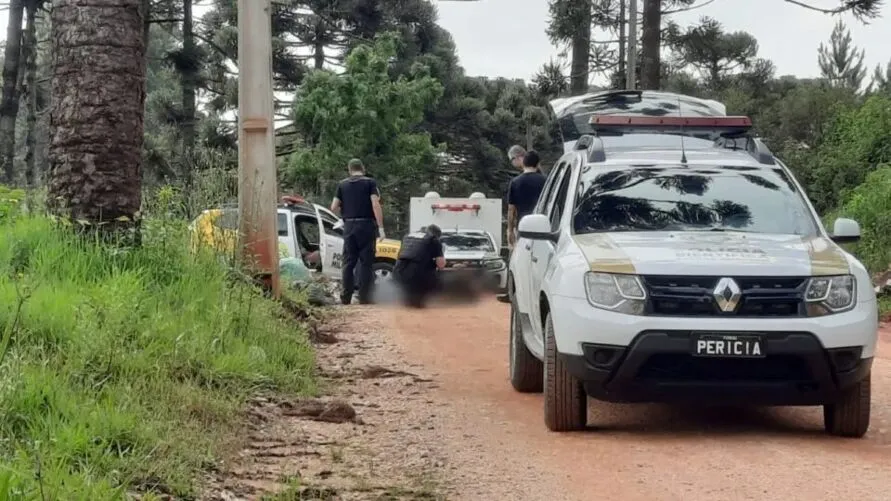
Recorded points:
(256,144)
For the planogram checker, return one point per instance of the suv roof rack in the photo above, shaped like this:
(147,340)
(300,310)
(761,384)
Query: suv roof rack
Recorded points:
(730,131)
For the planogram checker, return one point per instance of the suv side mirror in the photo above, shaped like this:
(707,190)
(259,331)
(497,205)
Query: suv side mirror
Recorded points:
(536,227)
(845,231)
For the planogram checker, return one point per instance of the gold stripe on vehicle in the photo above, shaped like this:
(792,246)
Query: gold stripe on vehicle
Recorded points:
(603,254)
(826,258)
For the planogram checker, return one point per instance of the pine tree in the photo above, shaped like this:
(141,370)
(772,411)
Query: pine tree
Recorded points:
(841,62)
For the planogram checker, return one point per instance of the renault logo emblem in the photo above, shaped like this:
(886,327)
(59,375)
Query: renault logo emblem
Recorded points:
(727,294)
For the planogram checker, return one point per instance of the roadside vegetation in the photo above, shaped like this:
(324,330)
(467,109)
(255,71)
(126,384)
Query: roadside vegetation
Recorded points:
(127,369)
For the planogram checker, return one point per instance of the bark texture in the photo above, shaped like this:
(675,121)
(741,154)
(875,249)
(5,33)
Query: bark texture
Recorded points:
(96,119)
(581,52)
(651,44)
(30,91)
(9,103)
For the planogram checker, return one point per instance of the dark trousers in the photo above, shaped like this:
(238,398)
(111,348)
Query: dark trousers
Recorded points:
(417,281)
(359,237)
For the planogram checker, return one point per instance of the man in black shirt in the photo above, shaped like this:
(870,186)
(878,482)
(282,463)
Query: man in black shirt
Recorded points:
(522,194)
(358,201)
(416,265)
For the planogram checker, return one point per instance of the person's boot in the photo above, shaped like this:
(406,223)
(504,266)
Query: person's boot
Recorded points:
(346,298)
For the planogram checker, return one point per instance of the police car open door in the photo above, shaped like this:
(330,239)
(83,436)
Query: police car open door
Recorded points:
(330,247)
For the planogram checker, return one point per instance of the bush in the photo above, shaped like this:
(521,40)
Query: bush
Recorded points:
(870,205)
(127,369)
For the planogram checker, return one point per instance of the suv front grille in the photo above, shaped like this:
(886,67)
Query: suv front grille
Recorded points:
(687,368)
(688,296)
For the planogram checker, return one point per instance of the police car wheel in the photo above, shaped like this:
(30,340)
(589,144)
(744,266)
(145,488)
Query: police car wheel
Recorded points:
(382,271)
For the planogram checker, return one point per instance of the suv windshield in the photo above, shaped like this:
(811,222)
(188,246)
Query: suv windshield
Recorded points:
(679,198)
(464,241)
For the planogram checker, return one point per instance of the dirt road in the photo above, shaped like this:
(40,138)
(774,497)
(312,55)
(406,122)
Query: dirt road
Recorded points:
(495,445)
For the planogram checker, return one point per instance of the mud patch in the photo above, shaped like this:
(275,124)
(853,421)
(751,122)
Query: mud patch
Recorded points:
(372,435)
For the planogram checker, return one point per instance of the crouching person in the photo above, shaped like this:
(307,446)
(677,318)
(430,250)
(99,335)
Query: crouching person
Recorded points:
(416,265)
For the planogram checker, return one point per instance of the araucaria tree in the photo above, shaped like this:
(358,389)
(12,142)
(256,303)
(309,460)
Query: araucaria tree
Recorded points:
(96,122)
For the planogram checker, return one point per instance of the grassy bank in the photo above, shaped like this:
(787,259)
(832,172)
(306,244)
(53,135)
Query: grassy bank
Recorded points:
(127,370)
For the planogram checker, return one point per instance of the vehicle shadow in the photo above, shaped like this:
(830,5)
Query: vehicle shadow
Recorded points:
(684,421)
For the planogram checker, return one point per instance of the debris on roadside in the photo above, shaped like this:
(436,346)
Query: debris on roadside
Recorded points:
(882,283)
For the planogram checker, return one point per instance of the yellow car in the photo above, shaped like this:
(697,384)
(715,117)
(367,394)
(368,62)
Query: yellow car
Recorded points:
(300,225)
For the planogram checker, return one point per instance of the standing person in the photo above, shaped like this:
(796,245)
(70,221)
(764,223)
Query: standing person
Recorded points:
(416,265)
(358,200)
(522,195)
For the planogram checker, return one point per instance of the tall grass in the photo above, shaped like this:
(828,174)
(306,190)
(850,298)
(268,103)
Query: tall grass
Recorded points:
(127,369)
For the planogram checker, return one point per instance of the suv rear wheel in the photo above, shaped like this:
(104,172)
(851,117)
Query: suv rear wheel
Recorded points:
(565,401)
(525,370)
(849,417)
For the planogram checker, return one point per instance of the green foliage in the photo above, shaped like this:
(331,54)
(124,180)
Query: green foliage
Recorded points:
(127,370)
(364,113)
(858,141)
(841,62)
(870,205)
(10,202)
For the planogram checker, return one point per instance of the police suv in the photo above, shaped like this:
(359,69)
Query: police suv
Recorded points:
(675,259)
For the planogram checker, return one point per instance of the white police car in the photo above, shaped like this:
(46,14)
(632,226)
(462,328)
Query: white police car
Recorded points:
(660,267)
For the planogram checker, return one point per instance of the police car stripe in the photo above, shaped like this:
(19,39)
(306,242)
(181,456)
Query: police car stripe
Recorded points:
(825,257)
(603,254)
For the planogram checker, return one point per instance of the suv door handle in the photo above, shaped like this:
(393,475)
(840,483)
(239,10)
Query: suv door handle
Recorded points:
(529,246)
(534,259)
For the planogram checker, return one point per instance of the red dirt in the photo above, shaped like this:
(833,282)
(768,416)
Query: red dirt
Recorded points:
(497,447)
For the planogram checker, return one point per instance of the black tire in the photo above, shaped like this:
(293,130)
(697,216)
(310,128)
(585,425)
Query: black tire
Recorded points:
(565,401)
(526,371)
(384,267)
(849,417)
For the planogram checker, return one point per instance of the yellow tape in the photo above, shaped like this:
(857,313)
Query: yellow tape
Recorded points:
(603,254)
(825,257)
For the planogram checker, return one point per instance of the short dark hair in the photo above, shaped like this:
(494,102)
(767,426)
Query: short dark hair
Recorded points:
(434,231)
(531,159)
(356,165)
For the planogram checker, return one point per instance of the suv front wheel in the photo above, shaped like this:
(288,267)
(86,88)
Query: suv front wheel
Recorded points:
(565,401)
(525,369)
(849,417)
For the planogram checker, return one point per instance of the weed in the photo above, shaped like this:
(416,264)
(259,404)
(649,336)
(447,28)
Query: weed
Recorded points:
(127,369)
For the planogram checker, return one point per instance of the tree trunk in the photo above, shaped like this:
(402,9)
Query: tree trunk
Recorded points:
(96,120)
(581,53)
(651,45)
(319,45)
(9,101)
(29,54)
(189,84)
(621,83)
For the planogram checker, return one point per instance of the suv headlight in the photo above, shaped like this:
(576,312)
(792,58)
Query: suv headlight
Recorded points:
(828,295)
(619,293)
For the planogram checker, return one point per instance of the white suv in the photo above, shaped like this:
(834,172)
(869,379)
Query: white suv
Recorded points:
(665,268)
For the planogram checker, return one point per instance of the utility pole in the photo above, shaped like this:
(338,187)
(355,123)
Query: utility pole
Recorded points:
(631,70)
(257,188)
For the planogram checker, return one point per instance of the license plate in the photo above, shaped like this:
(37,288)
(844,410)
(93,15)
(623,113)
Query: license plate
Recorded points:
(728,345)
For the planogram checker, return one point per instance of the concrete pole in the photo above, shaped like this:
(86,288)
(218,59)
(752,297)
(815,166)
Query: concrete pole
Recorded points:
(631,71)
(257,187)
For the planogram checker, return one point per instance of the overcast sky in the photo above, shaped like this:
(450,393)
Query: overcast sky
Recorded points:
(507,37)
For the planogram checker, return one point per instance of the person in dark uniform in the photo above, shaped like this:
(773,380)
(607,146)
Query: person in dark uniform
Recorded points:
(416,265)
(522,195)
(358,202)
